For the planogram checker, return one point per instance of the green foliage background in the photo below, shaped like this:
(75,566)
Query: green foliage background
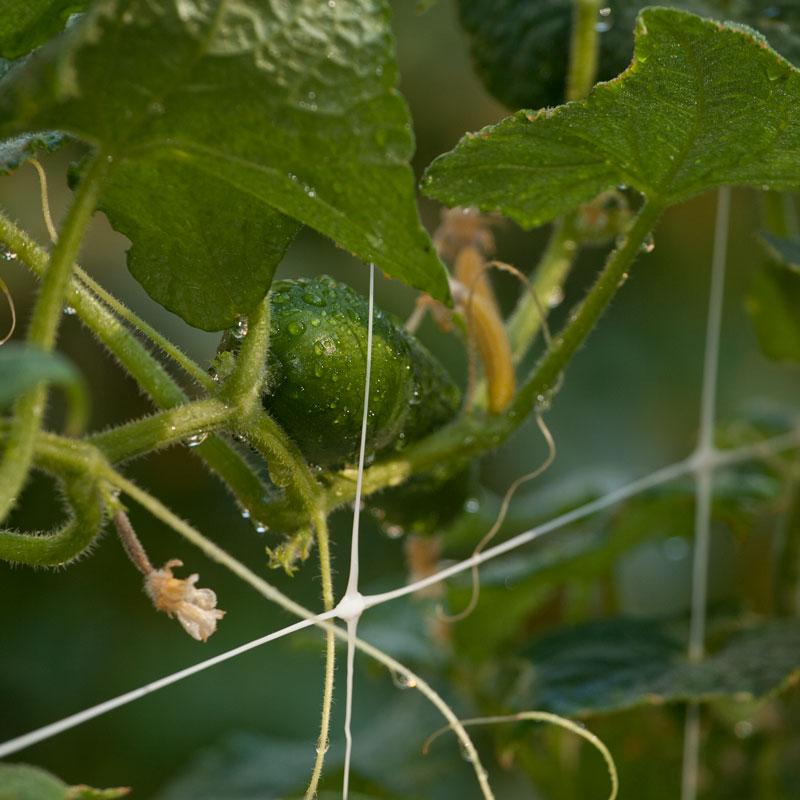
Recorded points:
(629,405)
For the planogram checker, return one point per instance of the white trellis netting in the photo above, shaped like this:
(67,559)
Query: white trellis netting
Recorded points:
(702,463)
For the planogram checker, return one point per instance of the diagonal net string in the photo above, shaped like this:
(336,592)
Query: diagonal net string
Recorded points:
(704,459)
(86,714)
(768,447)
(704,485)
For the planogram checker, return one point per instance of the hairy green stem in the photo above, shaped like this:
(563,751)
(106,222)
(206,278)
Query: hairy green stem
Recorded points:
(162,429)
(45,318)
(326,571)
(140,364)
(556,262)
(583,49)
(243,388)
(585,317)
(287,467)
(171,350)
(546,283)
(70,540)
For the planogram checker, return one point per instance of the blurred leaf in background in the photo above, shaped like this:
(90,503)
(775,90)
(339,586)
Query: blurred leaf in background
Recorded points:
(521,49)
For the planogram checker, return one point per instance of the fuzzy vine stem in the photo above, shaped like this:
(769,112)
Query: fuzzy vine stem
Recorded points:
(45,318)
(547,281)
(286,464)
(583,49)
(243,387)
(586,316)
(162,429)
(562,248)
(140,364)
(326,573)
(158,340)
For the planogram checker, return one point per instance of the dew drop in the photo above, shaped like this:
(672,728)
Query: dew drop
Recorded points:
(402,681)
(8,255)
(240,328)
(245,514)
(328,346)
(776,72)
(472,505)
(196,439)
(313,299)
(649,244)
(604,20)
(393,531)
(465,754)
(743,728)
(260,527)
(295,327)
(69,311)
(555,298)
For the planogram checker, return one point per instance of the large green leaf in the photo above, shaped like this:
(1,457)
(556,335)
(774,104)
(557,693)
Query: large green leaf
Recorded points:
(23,367)
(702,105)
(207,262)
(611,665)
(521,49)
(24,782)
(289,106)
(25,24)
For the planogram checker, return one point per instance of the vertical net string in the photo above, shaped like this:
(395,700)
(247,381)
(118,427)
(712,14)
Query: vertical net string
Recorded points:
(704,485)
(351,605)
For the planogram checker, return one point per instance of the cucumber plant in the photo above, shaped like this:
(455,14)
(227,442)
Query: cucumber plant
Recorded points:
(209,134)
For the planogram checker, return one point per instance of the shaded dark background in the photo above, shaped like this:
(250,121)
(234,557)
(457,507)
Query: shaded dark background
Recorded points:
(629,404)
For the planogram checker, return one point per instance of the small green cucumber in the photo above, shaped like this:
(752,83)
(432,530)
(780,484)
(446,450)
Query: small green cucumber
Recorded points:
(317,367)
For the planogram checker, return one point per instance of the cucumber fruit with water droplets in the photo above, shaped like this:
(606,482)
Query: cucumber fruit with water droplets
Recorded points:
(317,366)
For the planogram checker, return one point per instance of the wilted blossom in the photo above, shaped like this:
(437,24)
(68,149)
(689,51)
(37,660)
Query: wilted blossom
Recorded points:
(196,609)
